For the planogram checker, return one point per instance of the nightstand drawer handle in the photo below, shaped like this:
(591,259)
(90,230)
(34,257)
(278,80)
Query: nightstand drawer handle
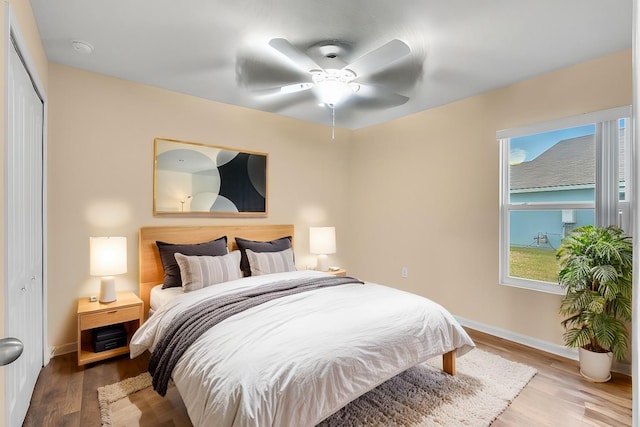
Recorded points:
(111,312)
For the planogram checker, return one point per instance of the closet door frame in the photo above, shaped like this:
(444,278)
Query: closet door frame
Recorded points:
(14,36)
(12,31)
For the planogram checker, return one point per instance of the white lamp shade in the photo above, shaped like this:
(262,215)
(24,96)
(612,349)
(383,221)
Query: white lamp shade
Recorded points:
(322,240)
(108,256)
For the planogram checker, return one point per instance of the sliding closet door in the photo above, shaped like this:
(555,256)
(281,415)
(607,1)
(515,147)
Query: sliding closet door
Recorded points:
(24,231)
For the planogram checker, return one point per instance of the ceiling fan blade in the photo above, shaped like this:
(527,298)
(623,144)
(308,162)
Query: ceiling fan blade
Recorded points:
(289,102)
(253,72)
(379,58)
(292,88)
(378,96)
(300,59)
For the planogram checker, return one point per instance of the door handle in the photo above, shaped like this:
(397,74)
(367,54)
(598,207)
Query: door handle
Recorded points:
(10,350)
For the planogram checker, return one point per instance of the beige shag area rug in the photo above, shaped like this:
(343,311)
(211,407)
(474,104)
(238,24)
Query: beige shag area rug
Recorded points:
(422,396)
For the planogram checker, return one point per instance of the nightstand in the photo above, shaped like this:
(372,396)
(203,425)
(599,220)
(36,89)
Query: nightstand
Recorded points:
(340,272)
(126,310)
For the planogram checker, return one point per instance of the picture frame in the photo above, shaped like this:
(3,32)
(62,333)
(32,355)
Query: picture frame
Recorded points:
(191,178)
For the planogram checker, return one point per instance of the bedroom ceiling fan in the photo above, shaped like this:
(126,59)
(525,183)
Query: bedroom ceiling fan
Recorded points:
(336,82)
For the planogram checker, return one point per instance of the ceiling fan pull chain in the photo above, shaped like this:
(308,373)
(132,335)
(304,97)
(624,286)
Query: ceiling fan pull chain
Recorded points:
(333,123)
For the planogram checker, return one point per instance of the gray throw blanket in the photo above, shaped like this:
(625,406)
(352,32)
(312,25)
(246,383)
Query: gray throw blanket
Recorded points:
(186,328)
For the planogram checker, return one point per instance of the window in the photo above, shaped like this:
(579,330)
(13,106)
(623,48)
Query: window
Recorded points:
(555,177)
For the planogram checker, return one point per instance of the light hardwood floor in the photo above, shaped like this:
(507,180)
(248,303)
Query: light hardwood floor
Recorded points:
(557,396)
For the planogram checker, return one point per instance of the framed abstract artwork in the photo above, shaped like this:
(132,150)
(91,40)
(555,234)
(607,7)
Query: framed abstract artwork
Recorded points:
(193,178)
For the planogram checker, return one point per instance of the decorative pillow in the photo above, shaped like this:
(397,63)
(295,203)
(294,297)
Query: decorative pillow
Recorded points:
(270,262)
(198,272)
(215,247)
(276,245)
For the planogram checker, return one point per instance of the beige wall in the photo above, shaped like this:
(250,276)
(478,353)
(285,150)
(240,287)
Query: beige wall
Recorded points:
(420,192)
(424,194)
(25,21)
(101,174)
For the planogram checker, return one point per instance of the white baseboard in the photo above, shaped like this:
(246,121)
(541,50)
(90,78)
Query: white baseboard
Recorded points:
(559,350)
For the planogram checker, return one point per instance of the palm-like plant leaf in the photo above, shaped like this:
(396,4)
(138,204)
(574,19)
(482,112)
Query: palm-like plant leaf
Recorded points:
(596,270)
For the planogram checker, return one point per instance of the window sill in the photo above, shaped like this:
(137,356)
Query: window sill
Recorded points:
(533,285)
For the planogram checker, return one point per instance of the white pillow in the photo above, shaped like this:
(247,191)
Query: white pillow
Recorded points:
(270,262)
(198,272)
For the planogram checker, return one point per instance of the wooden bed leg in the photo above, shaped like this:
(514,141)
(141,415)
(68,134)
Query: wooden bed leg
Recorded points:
(449,362)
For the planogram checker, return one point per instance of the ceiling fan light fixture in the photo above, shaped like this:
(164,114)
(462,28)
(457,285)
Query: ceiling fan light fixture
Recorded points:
(333,80)
(333,87)
(332,93)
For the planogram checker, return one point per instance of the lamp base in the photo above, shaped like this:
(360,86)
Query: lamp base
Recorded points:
(322,263)
(107,289)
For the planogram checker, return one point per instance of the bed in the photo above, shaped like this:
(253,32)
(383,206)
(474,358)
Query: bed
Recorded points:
(294,360)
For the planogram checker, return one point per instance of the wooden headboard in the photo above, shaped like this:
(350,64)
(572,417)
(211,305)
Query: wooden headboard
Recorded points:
(151,272)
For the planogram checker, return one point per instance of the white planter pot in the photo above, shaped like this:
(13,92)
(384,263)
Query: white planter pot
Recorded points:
(595,367)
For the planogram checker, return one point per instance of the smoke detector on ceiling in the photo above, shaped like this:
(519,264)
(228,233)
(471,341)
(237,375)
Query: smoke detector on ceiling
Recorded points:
(82,47)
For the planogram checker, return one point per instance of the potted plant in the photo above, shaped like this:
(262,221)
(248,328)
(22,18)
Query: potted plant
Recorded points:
(596,272)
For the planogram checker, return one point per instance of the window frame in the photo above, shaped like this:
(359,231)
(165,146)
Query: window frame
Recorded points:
(604,174)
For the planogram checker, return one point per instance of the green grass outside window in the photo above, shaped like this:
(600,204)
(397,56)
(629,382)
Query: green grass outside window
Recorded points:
(534,263)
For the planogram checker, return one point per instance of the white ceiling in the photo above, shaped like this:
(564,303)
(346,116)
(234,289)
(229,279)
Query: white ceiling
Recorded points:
(218,49)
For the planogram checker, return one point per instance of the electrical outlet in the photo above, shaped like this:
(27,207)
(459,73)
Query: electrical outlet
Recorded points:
(405,272)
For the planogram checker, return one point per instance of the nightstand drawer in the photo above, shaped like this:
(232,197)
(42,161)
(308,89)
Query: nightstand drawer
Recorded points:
(117,315)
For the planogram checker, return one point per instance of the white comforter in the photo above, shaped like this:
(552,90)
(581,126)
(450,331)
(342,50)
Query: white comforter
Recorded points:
(296,360)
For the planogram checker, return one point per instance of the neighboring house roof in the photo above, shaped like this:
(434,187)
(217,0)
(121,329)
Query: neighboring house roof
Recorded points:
(570,162)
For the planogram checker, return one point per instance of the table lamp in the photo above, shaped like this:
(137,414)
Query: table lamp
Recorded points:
(108,258)
(322,241)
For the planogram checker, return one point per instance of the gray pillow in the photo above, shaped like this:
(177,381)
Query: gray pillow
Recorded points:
(271,262)
(198,272)
(276,245)
(172,279)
